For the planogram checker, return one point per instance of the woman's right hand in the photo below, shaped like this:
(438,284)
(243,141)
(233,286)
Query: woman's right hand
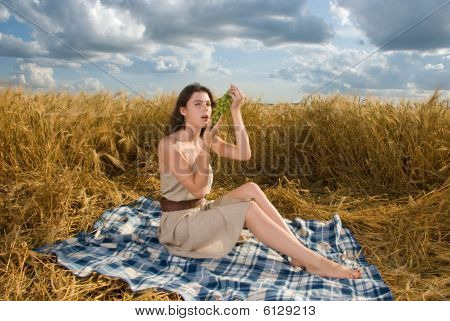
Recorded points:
(210,133)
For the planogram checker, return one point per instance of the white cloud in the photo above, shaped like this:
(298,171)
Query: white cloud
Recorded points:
(151,90)
(349,31)
(435,52)
(196,58)
(66,87)
(340,13)
(11,46)
(434,67)
(4,13)
(312,67)
(18,79)
(98,31)
(49,62)
(112,24)
(120,60)
(113,69)
(346,29)
(171,64)
(33,76)
(218,70)
(201,58)
(89,84)
(246,45)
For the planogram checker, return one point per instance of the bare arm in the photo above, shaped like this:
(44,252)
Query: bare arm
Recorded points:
(195,182)
(240,151)
(242,140)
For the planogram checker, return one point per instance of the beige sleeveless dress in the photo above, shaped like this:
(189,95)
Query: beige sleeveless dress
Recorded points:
(210,230)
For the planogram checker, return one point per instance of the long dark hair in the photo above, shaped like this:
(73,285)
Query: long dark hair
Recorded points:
(177,121)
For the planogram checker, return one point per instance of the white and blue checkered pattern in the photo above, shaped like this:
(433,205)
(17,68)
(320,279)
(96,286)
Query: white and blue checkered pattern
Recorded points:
(123,244)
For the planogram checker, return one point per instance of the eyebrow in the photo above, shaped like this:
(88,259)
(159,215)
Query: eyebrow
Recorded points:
(199,100)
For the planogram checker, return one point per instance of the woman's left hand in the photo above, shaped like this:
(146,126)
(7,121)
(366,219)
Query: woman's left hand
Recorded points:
(237,96)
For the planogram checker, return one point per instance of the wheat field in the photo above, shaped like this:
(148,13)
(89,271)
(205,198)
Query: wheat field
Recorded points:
(65,158)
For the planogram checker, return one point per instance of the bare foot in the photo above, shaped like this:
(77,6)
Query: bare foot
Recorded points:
(327,268)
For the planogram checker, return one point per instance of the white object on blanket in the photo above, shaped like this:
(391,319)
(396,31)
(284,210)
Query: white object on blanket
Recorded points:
(129,226)
(303,232)
(324,246)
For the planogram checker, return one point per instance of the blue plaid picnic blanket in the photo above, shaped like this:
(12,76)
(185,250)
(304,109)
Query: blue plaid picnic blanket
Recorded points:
(123,244)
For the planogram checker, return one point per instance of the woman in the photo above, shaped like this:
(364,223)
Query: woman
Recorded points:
(192,226)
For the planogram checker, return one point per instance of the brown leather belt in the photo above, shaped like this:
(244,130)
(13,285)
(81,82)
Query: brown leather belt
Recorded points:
(170,206)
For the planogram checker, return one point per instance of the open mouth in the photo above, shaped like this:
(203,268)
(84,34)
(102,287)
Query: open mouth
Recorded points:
(205,117)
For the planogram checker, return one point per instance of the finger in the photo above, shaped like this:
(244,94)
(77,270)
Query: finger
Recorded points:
(213,126)
(209,124)
(237,93)
(217,124)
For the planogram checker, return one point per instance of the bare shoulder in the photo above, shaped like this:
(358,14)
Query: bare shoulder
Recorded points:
(167,141)
(166,146)
(164,142)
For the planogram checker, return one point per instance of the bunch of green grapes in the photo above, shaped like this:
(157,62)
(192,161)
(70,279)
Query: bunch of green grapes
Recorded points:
(223,104)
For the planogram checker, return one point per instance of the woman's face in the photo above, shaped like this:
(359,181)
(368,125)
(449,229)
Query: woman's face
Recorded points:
(198,106)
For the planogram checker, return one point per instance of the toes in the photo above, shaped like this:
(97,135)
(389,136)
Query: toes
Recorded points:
(356,274)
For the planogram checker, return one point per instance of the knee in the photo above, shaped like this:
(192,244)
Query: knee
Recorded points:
(252,186)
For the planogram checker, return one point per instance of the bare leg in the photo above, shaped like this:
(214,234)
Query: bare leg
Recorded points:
(251,189)
(277,238)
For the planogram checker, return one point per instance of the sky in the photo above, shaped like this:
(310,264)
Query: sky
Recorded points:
(273,50)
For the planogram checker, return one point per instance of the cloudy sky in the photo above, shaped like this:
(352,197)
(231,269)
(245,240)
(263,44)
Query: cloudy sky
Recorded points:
(275,50)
